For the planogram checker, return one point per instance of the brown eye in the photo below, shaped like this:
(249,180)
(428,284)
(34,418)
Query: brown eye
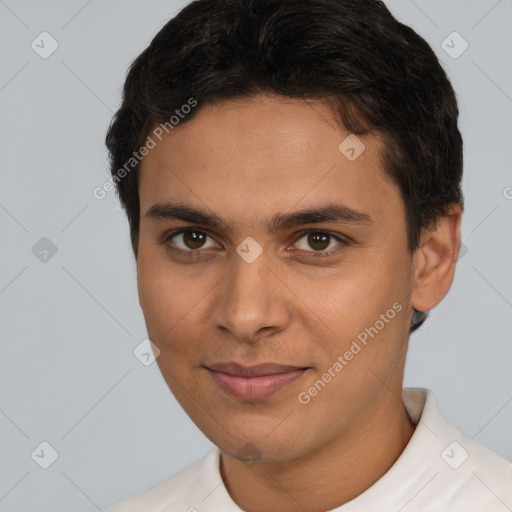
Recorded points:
(190,240)
(318,241)
(194,239)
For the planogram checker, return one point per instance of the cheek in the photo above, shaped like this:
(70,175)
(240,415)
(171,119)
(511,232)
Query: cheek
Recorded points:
(367,303)
(160,286)
(356,295)
(173,307)
(159,295)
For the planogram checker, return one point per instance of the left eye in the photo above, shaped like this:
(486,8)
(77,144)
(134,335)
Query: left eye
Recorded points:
(319,241)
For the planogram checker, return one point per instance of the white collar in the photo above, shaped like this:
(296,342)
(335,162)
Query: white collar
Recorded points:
(436,462)
(440,470)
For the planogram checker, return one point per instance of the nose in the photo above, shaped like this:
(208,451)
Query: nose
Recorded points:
(251,302)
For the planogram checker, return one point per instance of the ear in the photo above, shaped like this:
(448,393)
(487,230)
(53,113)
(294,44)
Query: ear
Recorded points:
(435,260)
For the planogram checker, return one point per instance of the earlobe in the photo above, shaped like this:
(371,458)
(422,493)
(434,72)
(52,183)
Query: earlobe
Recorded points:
(435,260)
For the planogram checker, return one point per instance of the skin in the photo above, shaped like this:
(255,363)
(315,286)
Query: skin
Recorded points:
(246,161)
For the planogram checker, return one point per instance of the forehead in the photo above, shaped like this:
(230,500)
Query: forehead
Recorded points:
(263,155)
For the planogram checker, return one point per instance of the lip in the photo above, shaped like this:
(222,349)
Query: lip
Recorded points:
(254,382)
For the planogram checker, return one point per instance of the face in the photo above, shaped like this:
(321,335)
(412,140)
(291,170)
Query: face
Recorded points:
(278,293)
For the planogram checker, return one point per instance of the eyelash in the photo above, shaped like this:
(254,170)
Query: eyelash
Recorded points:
(314,254)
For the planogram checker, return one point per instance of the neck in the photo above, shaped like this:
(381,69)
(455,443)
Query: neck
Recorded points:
(331,475)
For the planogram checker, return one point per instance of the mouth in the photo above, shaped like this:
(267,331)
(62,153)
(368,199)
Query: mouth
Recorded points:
(254,382)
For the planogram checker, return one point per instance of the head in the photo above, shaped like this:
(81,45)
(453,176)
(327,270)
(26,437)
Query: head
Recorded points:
(252,122)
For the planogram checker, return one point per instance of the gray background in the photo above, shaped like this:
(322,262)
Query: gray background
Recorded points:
(69,325)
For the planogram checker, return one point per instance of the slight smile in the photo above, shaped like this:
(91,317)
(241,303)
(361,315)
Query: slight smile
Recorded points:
(254,382)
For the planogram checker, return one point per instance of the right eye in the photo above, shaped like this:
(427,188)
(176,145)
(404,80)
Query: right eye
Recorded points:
(188,240)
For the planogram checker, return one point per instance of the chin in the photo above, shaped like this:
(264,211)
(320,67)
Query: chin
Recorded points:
(254,448)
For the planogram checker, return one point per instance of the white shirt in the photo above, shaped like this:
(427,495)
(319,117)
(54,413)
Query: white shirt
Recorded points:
(439,470)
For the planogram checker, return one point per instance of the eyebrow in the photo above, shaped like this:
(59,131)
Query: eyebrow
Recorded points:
(332,212)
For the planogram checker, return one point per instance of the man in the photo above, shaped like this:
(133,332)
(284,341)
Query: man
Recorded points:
(291,173)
